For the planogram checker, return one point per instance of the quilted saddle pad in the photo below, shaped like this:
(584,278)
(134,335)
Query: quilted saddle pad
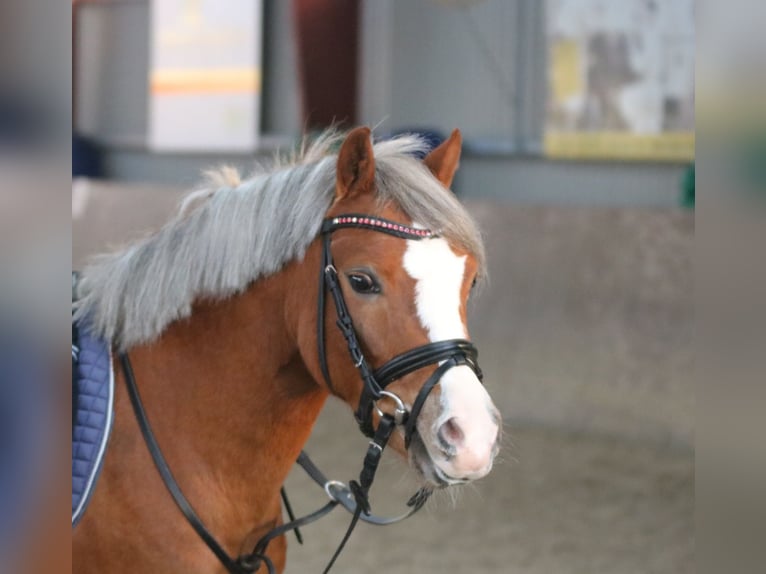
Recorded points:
(92,406)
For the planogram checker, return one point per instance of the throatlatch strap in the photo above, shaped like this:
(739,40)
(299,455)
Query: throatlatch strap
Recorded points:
(326,260)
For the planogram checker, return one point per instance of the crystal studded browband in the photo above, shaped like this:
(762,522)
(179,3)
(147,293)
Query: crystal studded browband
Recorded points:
(377,224)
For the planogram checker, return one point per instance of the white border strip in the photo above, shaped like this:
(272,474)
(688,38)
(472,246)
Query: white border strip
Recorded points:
(102,449)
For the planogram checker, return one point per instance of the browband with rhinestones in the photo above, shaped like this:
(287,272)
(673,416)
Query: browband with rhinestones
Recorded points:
(377,224)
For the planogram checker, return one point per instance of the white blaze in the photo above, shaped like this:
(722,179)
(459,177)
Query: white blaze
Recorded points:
(439,275)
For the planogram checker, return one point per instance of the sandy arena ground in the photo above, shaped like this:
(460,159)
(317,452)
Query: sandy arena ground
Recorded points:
(555,504)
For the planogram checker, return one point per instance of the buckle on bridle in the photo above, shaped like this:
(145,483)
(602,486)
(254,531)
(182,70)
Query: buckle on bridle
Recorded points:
(400,413)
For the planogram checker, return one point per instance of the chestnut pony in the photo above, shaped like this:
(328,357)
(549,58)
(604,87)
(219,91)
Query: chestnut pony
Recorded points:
(219,311)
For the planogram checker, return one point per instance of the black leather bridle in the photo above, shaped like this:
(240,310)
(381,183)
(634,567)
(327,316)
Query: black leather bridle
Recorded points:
(354,496)
(454,351)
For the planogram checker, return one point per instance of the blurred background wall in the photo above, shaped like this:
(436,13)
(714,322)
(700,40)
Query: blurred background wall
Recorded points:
(423,64)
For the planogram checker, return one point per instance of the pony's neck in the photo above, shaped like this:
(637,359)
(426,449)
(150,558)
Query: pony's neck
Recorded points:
(232,403)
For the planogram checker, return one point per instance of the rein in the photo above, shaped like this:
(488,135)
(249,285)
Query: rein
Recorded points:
(354,497)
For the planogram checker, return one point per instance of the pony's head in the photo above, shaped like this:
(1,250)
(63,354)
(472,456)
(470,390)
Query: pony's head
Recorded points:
(404,293)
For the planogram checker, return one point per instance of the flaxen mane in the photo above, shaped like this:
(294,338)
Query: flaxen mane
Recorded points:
(234,232)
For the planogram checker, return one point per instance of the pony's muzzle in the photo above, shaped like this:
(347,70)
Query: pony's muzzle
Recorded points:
(465,433)
(469,455)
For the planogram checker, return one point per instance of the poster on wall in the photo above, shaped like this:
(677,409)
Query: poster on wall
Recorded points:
(205,75)
(620,80)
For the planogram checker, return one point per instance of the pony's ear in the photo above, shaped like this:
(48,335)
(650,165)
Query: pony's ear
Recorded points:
(443,161)
(356,165)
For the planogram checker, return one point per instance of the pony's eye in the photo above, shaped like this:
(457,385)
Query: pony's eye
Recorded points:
(363,282)
(473,283)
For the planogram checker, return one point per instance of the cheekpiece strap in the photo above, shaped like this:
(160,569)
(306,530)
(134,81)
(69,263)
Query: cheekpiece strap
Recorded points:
(329,282)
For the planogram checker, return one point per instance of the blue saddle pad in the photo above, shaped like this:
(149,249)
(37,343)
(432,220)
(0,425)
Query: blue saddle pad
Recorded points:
(92,406)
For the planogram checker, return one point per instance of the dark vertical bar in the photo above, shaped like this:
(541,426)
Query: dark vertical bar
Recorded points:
(328,38)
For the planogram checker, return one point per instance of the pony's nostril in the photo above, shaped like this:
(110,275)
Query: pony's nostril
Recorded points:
(451,433)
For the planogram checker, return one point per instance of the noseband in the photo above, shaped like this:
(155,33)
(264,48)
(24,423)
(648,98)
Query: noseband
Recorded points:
(354,496)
